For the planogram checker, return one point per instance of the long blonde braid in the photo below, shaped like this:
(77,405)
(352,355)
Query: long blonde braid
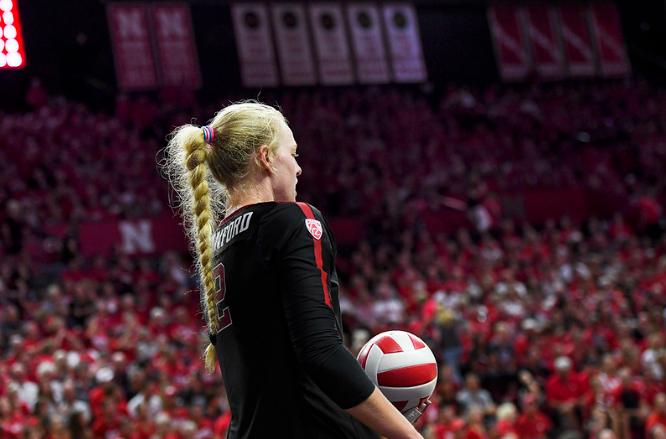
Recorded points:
(201,200)
(240,129)
(198,167)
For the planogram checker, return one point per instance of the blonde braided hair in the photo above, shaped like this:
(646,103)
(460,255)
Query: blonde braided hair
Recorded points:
(240,129)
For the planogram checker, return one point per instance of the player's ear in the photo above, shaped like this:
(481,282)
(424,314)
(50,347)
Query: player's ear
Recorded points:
(264,158)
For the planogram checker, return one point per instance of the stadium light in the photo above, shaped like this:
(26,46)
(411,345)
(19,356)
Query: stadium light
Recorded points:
(12,51)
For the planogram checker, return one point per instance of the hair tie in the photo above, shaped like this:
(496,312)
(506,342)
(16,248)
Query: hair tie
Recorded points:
(208,133)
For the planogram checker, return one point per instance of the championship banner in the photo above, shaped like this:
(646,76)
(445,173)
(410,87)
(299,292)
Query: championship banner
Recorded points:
(176,50)
(368,44)
(294,52)
(328,28)
(132,48)
(577,42)
(546,48)
(511,52)
(608,37)
(255,45)
(402,31)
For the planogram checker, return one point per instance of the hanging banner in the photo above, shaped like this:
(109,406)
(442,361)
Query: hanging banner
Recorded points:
(402,31)
(255,45)
(132,47)
(334,60)
(368,44)
(511,52)
(613,58)
(577,42)
(294,52)
(176,49)
(546,48)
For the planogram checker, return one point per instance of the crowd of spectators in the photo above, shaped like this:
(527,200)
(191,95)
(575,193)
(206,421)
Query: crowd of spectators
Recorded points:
(541,330)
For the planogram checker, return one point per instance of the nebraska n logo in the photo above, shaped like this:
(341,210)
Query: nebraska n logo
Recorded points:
(314,227)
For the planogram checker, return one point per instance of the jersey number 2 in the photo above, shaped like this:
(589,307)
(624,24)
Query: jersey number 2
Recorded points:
(223,314)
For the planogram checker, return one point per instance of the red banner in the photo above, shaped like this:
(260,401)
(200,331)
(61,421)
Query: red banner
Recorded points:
(577,42)
(132,48)
(176,50)
(141,237)
(612,51)
(545,45)
(509,41)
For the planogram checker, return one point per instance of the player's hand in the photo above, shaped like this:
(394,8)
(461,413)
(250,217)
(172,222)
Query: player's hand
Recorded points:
(414,414)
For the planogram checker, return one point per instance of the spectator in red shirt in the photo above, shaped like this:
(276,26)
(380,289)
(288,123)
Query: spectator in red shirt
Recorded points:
(107,423)
(475,427)
(563,393)
(444,426)
(507,415)
(532,423)
(658,414)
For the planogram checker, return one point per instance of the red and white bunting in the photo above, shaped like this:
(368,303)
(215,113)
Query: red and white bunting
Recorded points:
(293,42)
(132,47)
(255,45)
(330,37)
(367,41)
(608,36)
(546,48)
(577,42)
(402,31)
(176,49)
(513,60)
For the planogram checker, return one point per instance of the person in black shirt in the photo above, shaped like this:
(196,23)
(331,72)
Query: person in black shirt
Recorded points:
(269,285)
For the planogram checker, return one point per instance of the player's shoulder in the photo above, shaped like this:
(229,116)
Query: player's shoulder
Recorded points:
(289,220)
(287,212)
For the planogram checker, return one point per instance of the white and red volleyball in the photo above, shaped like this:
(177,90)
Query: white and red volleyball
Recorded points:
(402,366)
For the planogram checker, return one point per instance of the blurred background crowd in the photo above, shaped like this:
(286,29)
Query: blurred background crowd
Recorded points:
(541,330)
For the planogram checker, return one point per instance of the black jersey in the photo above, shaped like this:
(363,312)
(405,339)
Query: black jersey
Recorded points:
(280,346)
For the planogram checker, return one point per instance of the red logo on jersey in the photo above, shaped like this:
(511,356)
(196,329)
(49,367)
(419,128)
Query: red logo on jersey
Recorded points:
(314,227)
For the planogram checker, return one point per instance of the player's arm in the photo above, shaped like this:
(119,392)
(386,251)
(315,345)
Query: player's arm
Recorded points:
(378,413)
(315,337)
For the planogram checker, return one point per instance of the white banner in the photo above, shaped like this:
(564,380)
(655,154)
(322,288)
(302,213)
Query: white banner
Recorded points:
(402,31)
(293,42)
(255,45)
(369,51)
(333,57)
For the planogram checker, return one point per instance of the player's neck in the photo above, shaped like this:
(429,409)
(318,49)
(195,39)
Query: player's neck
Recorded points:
(257,194)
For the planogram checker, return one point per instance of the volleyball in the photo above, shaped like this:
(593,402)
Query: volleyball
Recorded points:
(402,366)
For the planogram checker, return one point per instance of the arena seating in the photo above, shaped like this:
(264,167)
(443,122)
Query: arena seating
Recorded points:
(560,322)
